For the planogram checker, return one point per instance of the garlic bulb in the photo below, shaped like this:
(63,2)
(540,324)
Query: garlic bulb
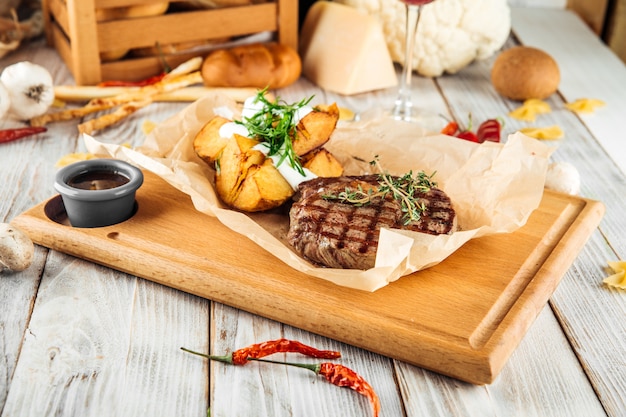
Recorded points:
(30,88)
(5,101)
(563,177)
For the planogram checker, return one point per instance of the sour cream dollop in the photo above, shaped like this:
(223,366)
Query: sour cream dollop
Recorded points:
(289,173)
(228,129)
(251,107)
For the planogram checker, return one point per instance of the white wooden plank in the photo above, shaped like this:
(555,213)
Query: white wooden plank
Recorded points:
(547,377)
(592,315)
(243,391)
(542,378)
(17,292)
(557,4)
(102,343)
(316,397)
(262,389)
(571,43)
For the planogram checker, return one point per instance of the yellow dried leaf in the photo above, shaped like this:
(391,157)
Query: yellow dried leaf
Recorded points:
(618,279)
(345,114)
(544,133)
(57,103)
(73,157)
(585,105)
(530,109)
(540,106)
(148,126)
(617,266)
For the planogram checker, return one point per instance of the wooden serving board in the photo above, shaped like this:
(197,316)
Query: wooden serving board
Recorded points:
(463,317)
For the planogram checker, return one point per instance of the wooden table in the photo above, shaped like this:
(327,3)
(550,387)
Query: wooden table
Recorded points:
(82,339)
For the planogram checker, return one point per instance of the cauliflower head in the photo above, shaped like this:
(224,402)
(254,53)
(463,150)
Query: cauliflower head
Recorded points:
(450,35)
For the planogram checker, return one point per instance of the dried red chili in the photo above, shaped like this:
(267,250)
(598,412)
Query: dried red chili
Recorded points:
(141,83)
(9,135)
(259,350)
(345,377)
(340,376)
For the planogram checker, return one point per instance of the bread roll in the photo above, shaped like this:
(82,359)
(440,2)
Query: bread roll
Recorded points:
(175,48)
(522,73)
(217,4)
(256,65)
(129,12)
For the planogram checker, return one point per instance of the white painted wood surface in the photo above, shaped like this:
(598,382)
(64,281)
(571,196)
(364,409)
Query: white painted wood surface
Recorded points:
(82,340)
(555,4)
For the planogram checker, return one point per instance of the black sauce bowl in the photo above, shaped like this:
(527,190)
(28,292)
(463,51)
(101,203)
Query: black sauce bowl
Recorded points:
(109,200)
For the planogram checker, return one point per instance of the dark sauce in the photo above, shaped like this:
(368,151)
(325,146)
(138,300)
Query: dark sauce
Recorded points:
(98,180)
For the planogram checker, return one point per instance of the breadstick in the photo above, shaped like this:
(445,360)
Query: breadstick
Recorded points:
(162,86)
(68,114)
(112,118)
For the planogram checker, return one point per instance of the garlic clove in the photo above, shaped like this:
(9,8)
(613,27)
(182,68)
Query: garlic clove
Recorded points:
(16,249)
(30,88)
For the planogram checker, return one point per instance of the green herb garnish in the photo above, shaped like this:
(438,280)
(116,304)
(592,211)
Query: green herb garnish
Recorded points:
(274,124)
(403,189)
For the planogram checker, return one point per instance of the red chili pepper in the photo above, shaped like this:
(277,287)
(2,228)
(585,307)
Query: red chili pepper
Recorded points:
(450,129)
(467,135)
(259,350)
(240,356)
(9,135)
(345,377)
(141,83)
(489,130)
(340,376)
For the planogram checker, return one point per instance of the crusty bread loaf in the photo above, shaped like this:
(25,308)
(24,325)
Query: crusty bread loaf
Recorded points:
(257,65)
(522,73)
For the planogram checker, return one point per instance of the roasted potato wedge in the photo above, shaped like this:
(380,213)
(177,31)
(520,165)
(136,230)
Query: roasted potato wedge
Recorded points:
(322,163)
(263,188)
(246,179)
(234,161)
(208,143)
(315,129)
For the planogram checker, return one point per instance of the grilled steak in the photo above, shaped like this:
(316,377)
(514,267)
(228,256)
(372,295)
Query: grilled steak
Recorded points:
(338,234)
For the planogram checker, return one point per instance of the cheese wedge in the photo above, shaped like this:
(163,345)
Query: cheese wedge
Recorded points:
(343,50)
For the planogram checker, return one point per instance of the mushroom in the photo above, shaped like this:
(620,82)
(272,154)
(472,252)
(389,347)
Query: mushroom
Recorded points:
(16,248)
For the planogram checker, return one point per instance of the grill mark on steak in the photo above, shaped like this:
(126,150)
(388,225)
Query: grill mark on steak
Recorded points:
(343,235)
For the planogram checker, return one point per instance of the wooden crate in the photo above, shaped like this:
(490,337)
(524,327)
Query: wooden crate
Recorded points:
(72,28)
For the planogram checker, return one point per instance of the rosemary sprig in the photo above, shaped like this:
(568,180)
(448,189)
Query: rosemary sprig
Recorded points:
(274,124)
(403,189)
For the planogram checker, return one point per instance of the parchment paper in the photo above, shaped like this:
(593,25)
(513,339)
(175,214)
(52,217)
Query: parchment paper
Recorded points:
(494,187)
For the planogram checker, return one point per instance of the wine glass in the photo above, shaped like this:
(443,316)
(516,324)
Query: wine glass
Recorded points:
(403,108)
